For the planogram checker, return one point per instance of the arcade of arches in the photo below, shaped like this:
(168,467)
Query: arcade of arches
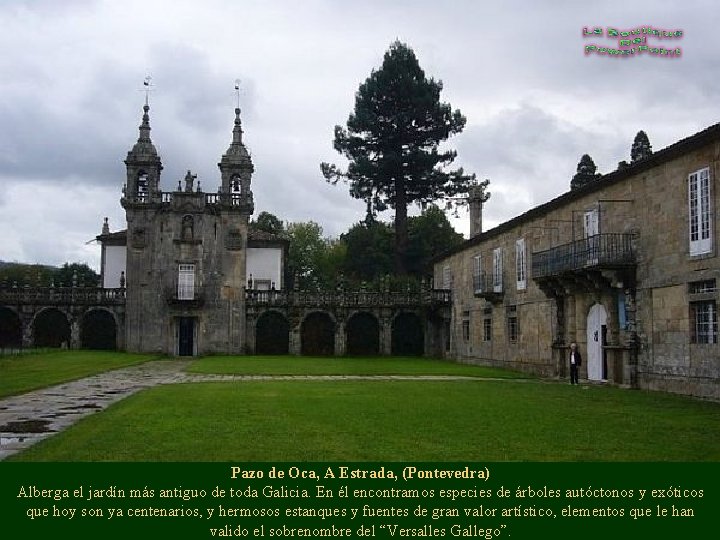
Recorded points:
(319,333)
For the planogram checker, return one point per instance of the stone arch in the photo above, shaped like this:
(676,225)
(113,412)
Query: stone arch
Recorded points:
(408,337)
(98,330)
(317,334)
(51,328)
(363,334)
(272,333)
(10,329)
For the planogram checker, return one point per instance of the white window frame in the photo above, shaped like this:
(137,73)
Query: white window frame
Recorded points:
(520,264)
(446,278)
(477,271)
(498,270)
(704,322)
(186,282)
(700,223)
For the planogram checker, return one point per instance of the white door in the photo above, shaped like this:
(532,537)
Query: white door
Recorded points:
(597,318)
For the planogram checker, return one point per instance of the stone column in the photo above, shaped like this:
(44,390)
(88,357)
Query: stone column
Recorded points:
(340,344)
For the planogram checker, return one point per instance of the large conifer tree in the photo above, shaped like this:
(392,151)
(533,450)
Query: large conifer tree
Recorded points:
(392,143)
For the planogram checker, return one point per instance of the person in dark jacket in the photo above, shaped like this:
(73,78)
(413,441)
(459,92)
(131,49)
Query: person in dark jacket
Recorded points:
(575,363)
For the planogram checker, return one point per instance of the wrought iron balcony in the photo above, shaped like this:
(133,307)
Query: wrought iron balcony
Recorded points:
(599,252)
(487,287)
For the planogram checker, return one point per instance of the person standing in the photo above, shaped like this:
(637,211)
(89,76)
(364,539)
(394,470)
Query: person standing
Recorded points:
(575,362)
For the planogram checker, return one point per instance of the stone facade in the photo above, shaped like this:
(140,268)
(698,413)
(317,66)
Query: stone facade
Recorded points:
(186,254)
(626,266)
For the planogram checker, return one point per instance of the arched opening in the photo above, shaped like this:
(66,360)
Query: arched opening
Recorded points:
(10,329)
(51,329)
(98,330)
(363,335)
(408,338)
(317,335)
(143,186)
(272,333)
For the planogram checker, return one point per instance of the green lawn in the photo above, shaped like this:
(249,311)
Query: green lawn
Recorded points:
(475,420)
(22,373)
(306,365)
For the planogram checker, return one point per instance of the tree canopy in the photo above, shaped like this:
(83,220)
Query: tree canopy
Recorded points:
(392,142)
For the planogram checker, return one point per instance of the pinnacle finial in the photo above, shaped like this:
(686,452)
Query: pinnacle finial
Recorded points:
(147,85)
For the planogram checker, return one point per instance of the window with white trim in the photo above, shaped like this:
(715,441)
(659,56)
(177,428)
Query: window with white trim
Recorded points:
(186,282)
(477,274)
(704,322)
(700,212)
(498,270)
(520,264)
(446,278)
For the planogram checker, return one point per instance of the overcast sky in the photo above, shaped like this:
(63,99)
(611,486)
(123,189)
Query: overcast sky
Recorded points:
(71,75)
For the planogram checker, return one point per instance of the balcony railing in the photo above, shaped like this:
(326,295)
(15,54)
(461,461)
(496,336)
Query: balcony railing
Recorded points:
(486,286)
(612,250)
(61,295)
(348,298)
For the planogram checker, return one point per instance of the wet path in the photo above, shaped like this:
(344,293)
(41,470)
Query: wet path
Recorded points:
(28,418)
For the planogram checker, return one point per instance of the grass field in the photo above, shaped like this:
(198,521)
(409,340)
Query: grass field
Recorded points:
(391,420)
(306,365)
(22,373)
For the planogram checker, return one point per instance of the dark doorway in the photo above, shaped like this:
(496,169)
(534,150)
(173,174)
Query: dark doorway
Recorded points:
(186,336)
(10,329)
(318,335)
(51,329)
(272,334)
(363,335)
(408,338)
(98,330)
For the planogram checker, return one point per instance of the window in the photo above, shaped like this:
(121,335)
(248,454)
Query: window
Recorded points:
(497,270)
(702,287)
(699,212)
(704,322)
(520,264)
(477,274)
(446,278)
(512,322)
(487,329)
(186,282)
(622,311)
(466,330)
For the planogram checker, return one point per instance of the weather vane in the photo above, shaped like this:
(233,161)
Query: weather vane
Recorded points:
(146,88)
(237,92)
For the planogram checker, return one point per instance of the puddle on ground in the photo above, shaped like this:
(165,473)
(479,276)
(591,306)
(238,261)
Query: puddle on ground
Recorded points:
(11,440)
(27,426)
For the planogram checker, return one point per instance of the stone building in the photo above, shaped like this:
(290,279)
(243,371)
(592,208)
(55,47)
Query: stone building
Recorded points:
(625,264)
(197,279)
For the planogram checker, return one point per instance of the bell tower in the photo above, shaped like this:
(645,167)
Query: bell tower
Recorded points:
(236,169)
(143,167)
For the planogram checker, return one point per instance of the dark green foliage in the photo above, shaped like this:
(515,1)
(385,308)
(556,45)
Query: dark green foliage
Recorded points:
(313,261)
(585,173)
(78,274)
(369,251)
(39,275)
(269,223)
(429,235)
(641,147)
(392,143)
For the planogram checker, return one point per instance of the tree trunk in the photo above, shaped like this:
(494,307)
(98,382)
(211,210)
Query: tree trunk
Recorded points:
(401,227)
